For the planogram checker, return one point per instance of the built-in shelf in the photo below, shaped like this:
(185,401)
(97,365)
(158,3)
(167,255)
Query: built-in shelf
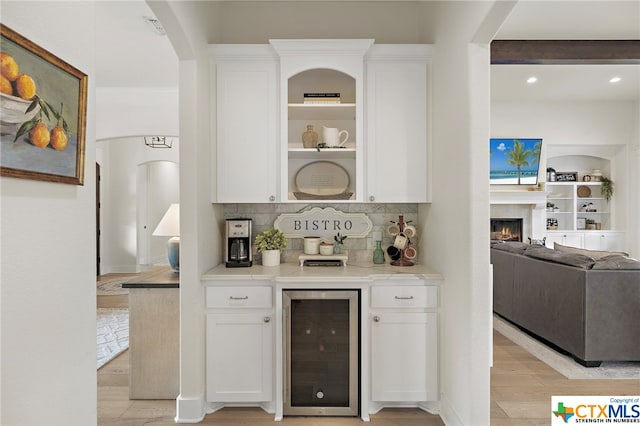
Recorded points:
(323,154)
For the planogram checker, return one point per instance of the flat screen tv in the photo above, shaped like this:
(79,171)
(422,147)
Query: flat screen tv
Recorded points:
(514,161)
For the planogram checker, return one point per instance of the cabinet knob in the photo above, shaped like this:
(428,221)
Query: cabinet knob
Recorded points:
(376,319)
(372,198)
(272,198)
(266,319)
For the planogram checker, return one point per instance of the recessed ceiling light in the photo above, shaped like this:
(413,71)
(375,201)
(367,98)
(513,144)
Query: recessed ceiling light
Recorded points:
(615,80)
(532,80)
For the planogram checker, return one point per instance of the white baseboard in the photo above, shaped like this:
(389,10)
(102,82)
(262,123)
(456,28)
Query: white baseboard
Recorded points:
(190,410)
(448,413)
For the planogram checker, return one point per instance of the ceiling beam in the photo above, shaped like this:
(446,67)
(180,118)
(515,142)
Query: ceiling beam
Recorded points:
(565,52)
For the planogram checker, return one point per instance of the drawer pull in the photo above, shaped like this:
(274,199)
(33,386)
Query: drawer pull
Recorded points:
(376,319)
(404,298)
(238,298)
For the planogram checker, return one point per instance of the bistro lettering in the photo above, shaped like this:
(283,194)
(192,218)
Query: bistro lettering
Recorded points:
(322,225)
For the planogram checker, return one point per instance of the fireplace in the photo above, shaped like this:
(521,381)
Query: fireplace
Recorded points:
(321,352)
(506,229)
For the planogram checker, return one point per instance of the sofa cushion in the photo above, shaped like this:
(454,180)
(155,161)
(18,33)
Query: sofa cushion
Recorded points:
(510,246)
(616,261)
(571,259)
(595,254)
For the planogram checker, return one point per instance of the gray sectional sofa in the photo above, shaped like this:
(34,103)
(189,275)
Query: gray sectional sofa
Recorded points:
(588,306)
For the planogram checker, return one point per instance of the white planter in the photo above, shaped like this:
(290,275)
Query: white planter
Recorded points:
(271,258)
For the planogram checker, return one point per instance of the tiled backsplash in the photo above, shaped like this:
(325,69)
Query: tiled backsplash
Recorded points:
(360,249)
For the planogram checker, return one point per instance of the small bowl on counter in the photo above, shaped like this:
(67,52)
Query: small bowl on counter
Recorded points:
(326,249)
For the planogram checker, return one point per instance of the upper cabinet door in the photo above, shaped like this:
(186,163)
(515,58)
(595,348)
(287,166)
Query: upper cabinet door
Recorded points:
(247,136)
(397,117)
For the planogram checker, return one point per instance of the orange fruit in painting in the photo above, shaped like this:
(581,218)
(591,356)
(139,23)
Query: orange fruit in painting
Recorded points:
(58,138)
(39,135)
(9,67)
(25,86)
(5,85)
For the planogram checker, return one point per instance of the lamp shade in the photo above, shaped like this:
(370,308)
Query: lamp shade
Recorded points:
(169,225)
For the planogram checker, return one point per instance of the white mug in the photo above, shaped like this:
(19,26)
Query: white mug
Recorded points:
(410,231)
(400,242)
(410,253)
(393,229)
(331,136)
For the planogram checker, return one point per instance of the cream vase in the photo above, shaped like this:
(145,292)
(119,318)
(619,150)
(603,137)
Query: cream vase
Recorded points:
(271,258)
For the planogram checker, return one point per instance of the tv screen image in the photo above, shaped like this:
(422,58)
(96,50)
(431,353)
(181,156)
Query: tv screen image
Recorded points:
(514,161)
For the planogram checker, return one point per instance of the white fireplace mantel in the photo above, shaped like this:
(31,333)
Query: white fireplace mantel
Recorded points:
(537,198)
(530,205)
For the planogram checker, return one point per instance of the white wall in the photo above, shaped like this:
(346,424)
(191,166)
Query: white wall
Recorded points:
(606,128)
(136,111)
(48,294)
(634,185)
(120,159)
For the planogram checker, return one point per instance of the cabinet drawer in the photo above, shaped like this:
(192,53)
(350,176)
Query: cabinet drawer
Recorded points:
(239,297)
(402,296)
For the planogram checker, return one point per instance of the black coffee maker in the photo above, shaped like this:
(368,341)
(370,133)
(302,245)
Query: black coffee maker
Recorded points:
(238,243)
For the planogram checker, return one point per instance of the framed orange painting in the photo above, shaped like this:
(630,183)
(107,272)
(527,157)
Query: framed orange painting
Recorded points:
(43,107)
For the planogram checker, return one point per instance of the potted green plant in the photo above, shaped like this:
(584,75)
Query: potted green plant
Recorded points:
(606,188)
(269,243)
(338,242)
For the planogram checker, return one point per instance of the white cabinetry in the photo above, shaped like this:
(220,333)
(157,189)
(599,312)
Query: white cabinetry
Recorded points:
(578,208)
(246,119)
(573,239)
(580,216)
(397,139)
(239,344)
(260,116)
(605,240)
(404,349)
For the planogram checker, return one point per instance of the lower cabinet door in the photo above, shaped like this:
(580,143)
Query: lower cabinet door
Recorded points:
(404,357)
(609,241)
(239,357)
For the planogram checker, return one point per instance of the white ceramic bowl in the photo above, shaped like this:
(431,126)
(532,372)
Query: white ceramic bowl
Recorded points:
(13,113)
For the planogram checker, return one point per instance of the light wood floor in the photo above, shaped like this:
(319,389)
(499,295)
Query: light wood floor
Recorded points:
(521,390)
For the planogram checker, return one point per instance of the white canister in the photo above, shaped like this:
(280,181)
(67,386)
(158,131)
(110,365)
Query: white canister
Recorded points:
(596,175)
(311,245)
(326,249)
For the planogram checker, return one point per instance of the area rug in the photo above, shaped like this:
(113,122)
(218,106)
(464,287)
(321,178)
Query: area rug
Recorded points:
(563,364)
(111,284)
(113,333)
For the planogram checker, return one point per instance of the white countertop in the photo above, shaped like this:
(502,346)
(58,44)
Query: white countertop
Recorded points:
(353,272)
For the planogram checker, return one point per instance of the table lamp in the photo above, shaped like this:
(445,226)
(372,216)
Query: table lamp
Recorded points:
(169,226)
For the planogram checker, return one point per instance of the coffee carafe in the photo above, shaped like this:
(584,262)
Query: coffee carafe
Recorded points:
(238,243)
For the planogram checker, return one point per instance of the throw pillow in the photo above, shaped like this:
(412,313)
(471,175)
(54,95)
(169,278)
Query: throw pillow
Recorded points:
(511,246)
(537,241)
(571,259)
(617,261)
(595,254)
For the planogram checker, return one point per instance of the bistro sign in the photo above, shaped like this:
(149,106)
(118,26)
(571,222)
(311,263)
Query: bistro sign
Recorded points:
(327,222)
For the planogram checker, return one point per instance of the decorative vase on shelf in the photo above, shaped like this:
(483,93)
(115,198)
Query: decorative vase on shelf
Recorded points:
(310,137)
(378,254)
(337,248)
(271,258)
